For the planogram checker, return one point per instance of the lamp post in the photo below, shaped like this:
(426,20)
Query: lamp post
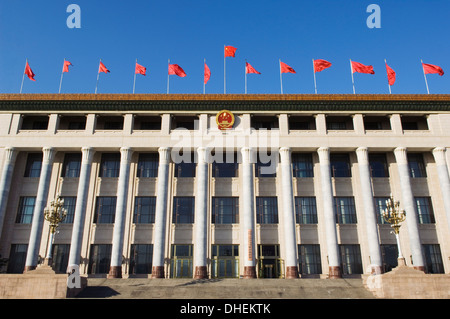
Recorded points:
(394,216)
(54,214)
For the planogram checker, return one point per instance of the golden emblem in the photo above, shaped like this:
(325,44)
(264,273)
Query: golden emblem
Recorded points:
(224,120)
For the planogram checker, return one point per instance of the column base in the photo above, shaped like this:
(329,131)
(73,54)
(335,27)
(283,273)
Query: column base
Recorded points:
(201,272)
(291,272)
(334,272)
(376,270)
(114,272)
(249,272)
(158,272)
(29,268)
(401,262)
(48,262)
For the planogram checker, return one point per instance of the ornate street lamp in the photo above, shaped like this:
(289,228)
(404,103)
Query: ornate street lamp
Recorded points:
(394,216)
(54,214)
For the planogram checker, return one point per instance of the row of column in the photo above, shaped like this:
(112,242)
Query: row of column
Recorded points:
(248,209)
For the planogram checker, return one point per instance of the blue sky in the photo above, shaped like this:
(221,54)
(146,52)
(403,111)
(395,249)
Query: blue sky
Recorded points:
(186,32)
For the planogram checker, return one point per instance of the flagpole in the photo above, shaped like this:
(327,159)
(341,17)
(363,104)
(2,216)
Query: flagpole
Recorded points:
(168,63)
(224,72)
(98,75)
(23,76)
(62,72)
(204,63)
(281,78)
(426,82)
(245,76)
(314,72)
(388,79)
(353,81)
(134,82)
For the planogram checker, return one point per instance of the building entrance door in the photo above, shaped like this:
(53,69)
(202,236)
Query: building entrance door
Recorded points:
(269,263)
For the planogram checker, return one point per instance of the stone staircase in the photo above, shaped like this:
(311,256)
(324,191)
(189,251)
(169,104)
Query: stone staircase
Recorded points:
(143,288)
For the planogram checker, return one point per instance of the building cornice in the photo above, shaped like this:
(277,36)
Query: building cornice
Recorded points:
(233,102)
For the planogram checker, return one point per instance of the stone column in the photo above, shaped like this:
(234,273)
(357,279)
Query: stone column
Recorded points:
(115,270)
(329,214)
(408,205)
(201,211)
(369,211)
(5,181)
(444,180)
(38,213)
(288,214)
(80,209)
(159,232)
(248,213)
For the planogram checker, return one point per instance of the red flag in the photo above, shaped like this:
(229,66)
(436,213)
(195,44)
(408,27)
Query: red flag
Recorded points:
(320,65)
(284,68)
(250,69)
(177,70)
(140,69)
(361,68)
(230,51)
(29,72)
(430,68)
(207,74)
(102,68)
(390,75)
(66,66)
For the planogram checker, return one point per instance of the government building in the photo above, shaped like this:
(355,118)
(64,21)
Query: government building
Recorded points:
(224,186)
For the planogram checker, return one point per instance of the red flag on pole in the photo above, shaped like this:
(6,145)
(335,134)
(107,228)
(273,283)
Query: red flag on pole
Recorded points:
(284,68)
(140,69)
(430,69)
(230,51)
(390,75)
(102,68)
(177,70)
(250,69)
(29,72)
(66,66)
(361,68)
(207,74)
(320,65)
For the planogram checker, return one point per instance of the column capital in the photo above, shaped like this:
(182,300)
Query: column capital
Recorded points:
(164,155)
(246,154)
(87,153)
(363,155)
(10,154)
(49,153)
(439,155)
(401,155)
(125,154)
(324,155)
(202,154)
(285,154)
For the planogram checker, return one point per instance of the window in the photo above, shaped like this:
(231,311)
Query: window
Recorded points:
(100,259)
(69,205)
(225,210)
(225,167)
(185,169)
(266,166)
(105,210)
(345,210)
(225,261)
(424,210)
(376,123)
(25,211)
(350,259)
(309,259)
(389,255)
(151,123)
(302,123)
(72,123)
(340,165)
(32,122)
(266,210)
(416,165)
(17,258)
(302,165)
(60,257)
(144,210)
(183,210)
(33,166)
(414,122)
(141,259)
(305,210)
(264,122)
(378,165)
(433,259)
(181,261)
(339,122)
(185,122)
(72,165)
(110,165)
(109,123)
(380,206)
(148,165)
